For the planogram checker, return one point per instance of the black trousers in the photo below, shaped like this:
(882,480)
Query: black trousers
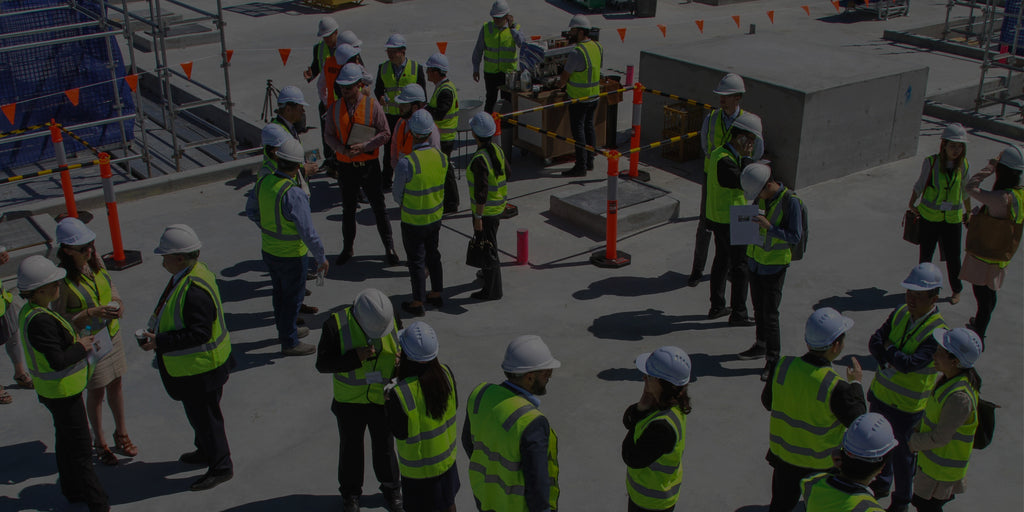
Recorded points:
(929,505)
(387,175)
(328,152)
(203,413)
(581,121)
(766,295)
(351,178)
(786,486)
(633,507)
(986,299)
(701,244)
(492,86)
(451,186)
(731,260)
(492,274)
(421,254)
(78,480)
(948,237)
(353,420)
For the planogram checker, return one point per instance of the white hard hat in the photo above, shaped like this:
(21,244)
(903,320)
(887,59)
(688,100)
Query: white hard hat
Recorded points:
(374,312)
(1012,157)
(421,122)
(437,61)
(411,93)
(955,132)
(419,342)
(528,354)
(349,37)
(327,27)
(824,327)
(291,94)
(667,363)
(274,135)
(964,344)
(753,179)
(178,239)
(748,122)
(350,73)
(925,276)
(580,21)
(869,437)
(482,124)
(291,151)
(344,52)
(499,8)
(730,84)
(395,41)
(72,231)
(37,271)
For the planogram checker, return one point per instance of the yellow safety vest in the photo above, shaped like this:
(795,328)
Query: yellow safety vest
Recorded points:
(586,83)
(772,251)
(449,124)
(719,198)
(656,487)
(429,451)
(497,190)
(393,85)
(364,385)
(215,351)
(51,383)
(280,236)
(423,196)
(718,132)
(821,496)
(948,463)
(500,52)
(907,392)
(5,299)
(943,197)
(803,431)
(91,292)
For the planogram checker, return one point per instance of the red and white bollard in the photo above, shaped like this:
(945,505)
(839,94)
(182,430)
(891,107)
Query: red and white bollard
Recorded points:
(634,141)
(119,259)
(62,164)
(610,257)
(522,247)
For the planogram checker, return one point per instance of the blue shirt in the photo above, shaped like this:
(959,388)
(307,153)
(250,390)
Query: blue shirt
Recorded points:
(295,208)
(790,232)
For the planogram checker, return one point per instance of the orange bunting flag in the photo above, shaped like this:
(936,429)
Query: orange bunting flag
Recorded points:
(806,9)
(9,111)
(534,38)
(771,16)
(285,52)
(622,34)
(72,95)
(442,46)
(737,20)
(228,54)
(700,25)
(866,3)
(132,81)
(662,29)
(187,66)
(835,3)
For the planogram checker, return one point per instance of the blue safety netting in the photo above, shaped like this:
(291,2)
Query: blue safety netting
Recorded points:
(1010,30)
(34,79)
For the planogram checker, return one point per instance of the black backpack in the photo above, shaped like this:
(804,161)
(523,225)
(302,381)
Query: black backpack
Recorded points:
(800,248)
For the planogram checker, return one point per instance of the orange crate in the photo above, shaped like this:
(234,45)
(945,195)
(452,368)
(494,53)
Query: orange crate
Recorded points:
(682,118)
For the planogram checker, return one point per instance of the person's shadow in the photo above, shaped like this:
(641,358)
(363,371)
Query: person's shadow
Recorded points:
(632,286)
(304,502)
(862,299)
(635,325)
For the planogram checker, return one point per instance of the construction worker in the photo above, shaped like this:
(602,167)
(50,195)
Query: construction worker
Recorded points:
(904,348)
(488,195)
(944,208)
(393,74)
(781,228)
(866,445)
(358,346)
(419,188)
(324,64)
(10,338)
(359,167)
(344,53)
(282,212)
(193,348)
(411,99)
(512,450)
(945,436)
(272,137)
(421,415)
(444,107)
(581,78)
(57,359)
(722,171)
(291,115)
(497,46)
(714,132)
(656,437)
(810,405)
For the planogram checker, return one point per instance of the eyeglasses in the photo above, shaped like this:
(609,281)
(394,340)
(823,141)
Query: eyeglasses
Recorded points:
(81,248)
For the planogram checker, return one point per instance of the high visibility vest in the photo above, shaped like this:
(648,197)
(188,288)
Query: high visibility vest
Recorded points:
(500,52)
(423,197)
(364,385)
(94,291)
(280,236)
(1017,214)
(656,487)
(907,392)
(586,83)
(402,138)
(429,450)
(718,130)
(216,350)
(803,431)
(948,463)
(393,85)
(51,383)
(719,198)
(821,496)
(498,417)
(6,298)
(772,251)
(363,114)
(943,196)
(497,190)
(449,124)
(331,70)
(323,52)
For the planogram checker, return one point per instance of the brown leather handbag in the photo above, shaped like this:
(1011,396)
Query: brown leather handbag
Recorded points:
(992,238)
(912,227)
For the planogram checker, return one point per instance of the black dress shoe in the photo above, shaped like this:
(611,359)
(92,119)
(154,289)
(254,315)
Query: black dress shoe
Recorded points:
(694,279)
(394,500)
(754,352)
(437,302)
(393,258)
(413,310)
(480,295)
(575,172)
(193,458)
(343,257)
(741,321)
(717,313)
(211,480)
(350,503)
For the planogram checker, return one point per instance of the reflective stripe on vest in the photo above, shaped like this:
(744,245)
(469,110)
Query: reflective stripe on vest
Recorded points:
(393,85)
(99,295)
(429,450)
(656,487)
(772,251)
(943,199)
(718,129)
(500,52)
(586,83)
(449,124)
(357,386)
(821,496)
(423,197)
(948,463)
(363,114)
(279,235)
(209,355)
(51,383)
(907,392)
(719,198)
(497,190)
(804,431)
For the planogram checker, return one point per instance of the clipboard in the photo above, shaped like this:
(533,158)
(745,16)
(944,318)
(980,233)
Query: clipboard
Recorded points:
(743,230)
(102,340)
(360,134)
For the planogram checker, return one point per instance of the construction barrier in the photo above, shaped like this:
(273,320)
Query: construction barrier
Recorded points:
(119,259)
(44,172)
(62,165)
(611,257)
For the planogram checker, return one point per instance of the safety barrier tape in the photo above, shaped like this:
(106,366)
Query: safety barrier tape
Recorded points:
(79,139)
(47,171)
(554,135)
(670,140)
(678,98)
(563,103)
(23,130)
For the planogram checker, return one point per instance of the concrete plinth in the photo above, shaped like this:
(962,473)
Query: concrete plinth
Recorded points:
(179,36)
(641,205)
(827,113)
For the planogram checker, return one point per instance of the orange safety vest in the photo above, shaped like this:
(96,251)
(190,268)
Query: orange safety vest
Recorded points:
(331,70)
(343,122)
(402,138)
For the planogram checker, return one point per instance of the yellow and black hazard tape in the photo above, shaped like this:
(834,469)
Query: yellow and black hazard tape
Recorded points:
(47,171)
(79,139)
(670,140)
(678,98)
(562,103)
(23,130)
(554,135)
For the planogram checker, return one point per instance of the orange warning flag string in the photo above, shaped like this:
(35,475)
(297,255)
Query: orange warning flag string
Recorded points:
(534,38)
(132,81)
(835,3)
(9,111)
(72,95)
(866,3)
(771,16)
(737,20)
(442,46)
(228,55)
(662,29)
(285,52)
(700,25)
(187,67)
(622,34)
(806,9)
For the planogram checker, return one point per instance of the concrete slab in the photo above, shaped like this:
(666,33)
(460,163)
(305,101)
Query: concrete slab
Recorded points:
(641,205)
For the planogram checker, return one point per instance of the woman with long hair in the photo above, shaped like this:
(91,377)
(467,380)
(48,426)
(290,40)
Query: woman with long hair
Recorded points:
(89,300)
(656,437)
(488,193)
(945,436)
(421,415)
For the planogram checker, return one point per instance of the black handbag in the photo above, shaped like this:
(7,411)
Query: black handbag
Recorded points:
(986,424)
(912,227)
(481,253)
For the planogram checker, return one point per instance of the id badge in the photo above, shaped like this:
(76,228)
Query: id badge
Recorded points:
(375,378)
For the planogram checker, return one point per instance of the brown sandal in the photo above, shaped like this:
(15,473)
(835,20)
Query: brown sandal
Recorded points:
(24,381)
(124,445)
(5,397)
(105,455)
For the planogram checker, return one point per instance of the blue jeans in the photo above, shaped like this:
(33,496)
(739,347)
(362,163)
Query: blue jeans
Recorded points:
(902,462)
(288,277)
